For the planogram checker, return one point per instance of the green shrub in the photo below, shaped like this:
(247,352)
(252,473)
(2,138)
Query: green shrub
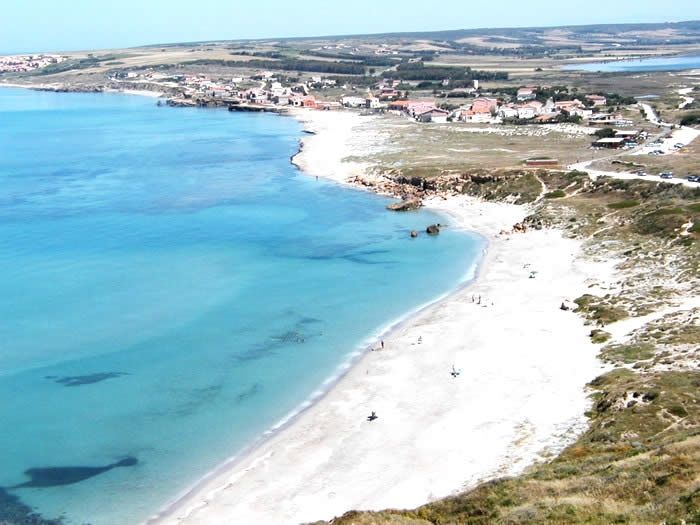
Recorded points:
(678,410)
(599,336)
(621,205)
(630,353)
(557,194)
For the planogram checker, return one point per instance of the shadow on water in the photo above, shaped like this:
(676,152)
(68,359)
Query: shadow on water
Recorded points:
(44,477)
(249,393)
(298,334)
(14,512)
(88,379)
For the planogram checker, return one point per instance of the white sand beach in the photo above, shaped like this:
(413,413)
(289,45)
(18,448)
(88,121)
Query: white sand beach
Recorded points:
(520,396)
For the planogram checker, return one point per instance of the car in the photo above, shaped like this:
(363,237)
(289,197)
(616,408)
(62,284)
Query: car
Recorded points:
(667,175)
(642,173)
(679,146)
(693,178)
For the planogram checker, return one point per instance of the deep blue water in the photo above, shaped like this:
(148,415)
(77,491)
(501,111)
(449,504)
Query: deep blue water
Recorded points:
(678,63)
(170,288)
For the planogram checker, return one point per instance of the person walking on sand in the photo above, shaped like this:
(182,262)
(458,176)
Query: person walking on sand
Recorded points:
(382,343)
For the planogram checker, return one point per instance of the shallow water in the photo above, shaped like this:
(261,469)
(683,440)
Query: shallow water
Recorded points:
(171,287)
(678,63)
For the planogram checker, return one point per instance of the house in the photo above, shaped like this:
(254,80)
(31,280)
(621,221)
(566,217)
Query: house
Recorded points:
(374,103)
(526,112)
(353,102)
(326,106)
(461,92)
(436,116)
(569,105)
(399,105)
(506,112)
(546,117)
(535,105)
(629,134)
(580,112)
(484,105)
(482,110)
(549,107)
(526,93)
(612,142)
(281,100)
(541,162)
(597,100)
(388,94)
(414,108)
(477,118)
(606,119)
(309,102)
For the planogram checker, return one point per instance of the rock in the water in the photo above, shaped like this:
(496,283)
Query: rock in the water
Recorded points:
(405,205)
(433,229)
(414,234)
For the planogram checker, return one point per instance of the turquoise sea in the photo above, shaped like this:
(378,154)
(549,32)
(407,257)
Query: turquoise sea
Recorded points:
(677,63)
(171,288)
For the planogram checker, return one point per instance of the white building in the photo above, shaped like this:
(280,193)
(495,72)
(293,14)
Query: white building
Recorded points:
(353,101)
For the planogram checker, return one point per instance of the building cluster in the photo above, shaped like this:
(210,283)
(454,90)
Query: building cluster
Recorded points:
(268,90)
(524,108)
(263,90)
(25,63)
(621,139)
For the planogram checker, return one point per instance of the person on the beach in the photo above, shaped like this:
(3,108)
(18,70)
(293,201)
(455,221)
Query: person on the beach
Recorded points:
(372,416)
(382,343)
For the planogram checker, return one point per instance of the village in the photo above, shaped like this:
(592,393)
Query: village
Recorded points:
(526,105)
(27,63)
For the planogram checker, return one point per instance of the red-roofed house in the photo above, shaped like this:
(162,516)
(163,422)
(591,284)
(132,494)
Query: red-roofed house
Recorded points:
(598,100)
(526,93)
(435,115)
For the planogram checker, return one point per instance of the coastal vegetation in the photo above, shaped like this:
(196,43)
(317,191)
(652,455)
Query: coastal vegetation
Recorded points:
(421,71)
(636,464)
(288,64)
(638,461)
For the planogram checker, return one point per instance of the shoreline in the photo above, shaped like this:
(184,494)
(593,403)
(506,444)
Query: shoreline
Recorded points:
(369,344)
(345,455)
(239,487)
(355,357)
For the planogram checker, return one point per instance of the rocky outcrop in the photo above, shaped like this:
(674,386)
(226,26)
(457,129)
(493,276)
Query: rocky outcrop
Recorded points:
(405,205)
(70,89)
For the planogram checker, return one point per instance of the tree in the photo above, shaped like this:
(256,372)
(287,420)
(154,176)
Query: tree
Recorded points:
(605,133)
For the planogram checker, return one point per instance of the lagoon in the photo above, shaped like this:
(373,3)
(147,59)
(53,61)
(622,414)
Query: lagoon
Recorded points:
(677,63)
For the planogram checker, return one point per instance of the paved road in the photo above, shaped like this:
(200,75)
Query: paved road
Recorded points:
(640,150)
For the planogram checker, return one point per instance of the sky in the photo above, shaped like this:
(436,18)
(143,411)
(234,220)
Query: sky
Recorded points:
(71,25)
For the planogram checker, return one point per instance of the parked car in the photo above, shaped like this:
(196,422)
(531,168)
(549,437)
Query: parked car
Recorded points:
(693,178)
(642,173)
(667,175)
